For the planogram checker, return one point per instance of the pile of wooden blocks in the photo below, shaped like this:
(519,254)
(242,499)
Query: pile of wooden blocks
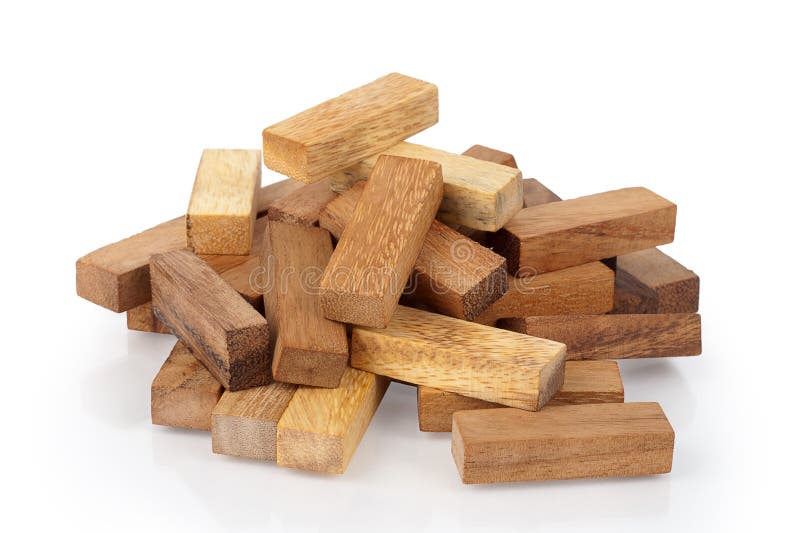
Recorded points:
(285,299)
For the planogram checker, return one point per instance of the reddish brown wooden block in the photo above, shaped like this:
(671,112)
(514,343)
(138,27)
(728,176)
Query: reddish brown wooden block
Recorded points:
(650,281)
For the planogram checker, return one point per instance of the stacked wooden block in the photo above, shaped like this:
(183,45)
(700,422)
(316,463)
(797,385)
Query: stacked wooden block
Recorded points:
(294,305)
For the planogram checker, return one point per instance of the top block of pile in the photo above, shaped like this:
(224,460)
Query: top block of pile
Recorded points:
(351,127)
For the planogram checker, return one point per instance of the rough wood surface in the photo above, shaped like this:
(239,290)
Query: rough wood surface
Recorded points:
(562,234)
(573,441)
(478,194)
(534,193)
(308,349)
(584,382)
(223,206)
(452,274)
(462,357)
(321,428)
(377,250)
(616,336)
(141,318)
(353,126)
(485,153)
(650,281)
(268,195)
(304,205)
(223,331)
(245,423)
(183,392)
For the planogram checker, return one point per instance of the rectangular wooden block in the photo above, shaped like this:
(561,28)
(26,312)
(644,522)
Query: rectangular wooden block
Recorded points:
(223,206)
(462,357)
(353,126)
(245,423)
(650,281)
(616,336)
(377,250)
(573,441)
(308,349)
(141,318)
(562,234)
(478,194)
(535,193)
(321,428)
(584,382)
(452,274)
(485,153)
(304,205)
(223,331)
(183,392)
(268,195)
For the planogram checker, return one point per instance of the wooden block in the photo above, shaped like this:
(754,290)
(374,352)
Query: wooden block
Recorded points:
(573,441)
(584,382)
(272,193)
(585,289)
(308,349)
(223,331)
(183,392)
(452,274)
(353,126)
(457,356)
(478,194)
(490,154)
(304,205)
(141,318)
(616,336)
(650,281)
(377,250)
(321,428)
(245,423)
(223,207)
(562,234)
(534,193)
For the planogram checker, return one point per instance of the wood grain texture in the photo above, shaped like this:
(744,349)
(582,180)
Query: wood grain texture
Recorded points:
(342,131)
(183,392)
(485,153)
(650,281)
(477,194)
(377,250)
(141,318)
(223,206)
(223,331)
(268,195)
(321,428)
(245,423)
(585,289)
(452,274)
(562,234)
(616,336)
(304,205)
(457,356)
(584,382)
(535,193)
(573,441)
(308,349)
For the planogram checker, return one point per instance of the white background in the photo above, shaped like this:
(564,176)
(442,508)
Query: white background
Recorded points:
(106,107)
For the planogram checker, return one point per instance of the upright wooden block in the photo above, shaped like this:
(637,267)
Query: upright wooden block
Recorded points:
(245,423)
(490,154)
(377,250)
(616,336)
(452,274)
(477,194)
(304,205)
(562,234)
(353,126)
(222,209)
(584,382)
(308,348)
(457,356)
(223,331)
(183,392)
(574,441)
(650,281)
(321,428)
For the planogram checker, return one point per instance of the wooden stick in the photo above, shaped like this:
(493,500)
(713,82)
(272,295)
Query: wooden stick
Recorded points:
(353,126)
(141,318)
(457,356)
(616,336)
(206,314)
(562,234)
(650,281)
(321,428)
(245,423)
(270,194)
(534,193)
(183,392)
(304,205)
(377,250)
(584,382)
(573,441)
(478,194)
(308,348)
(485,153)
(222,209)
